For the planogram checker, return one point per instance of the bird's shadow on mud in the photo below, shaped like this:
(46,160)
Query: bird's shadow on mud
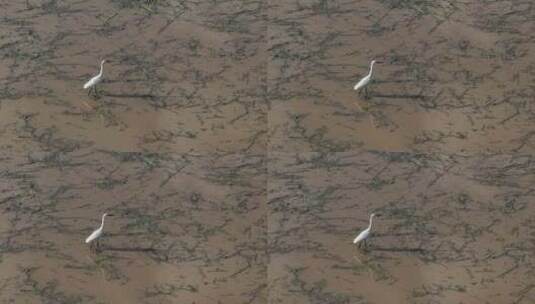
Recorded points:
(128,249)
(396,249)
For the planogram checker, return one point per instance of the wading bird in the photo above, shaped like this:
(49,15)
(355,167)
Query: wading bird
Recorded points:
(363,83)
(365,234)
(96,234)
(92,83)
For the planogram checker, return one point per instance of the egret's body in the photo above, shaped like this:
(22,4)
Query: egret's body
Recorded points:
(365,234)
(92,83)
(97,233)
(363,83)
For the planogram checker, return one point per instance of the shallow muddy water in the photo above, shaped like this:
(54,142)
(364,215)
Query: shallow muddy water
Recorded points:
(239,163)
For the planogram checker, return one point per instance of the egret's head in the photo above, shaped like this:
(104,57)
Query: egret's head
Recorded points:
(373,215)
(103,61)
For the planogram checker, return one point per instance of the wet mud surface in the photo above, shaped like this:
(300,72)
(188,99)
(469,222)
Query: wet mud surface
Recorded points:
(239,163)
(452,229)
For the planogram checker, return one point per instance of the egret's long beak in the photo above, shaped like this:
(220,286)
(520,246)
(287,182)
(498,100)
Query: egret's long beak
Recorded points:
(110,214)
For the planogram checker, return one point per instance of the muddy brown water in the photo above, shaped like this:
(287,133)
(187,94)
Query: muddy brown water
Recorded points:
(240,164)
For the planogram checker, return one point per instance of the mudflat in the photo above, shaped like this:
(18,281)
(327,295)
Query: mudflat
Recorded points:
(240,164)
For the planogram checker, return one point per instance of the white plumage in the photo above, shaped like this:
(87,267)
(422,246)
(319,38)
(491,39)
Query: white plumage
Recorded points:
(366,79)
(93,81)
(97,233)
(365,233)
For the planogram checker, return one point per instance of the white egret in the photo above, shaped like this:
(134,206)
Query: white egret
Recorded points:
(92,83)
(363,83)
(97,233)
(365,234)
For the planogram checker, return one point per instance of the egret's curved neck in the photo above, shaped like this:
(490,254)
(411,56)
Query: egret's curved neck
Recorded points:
(371,68)
(371,220)
(101,68)
(102,225)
